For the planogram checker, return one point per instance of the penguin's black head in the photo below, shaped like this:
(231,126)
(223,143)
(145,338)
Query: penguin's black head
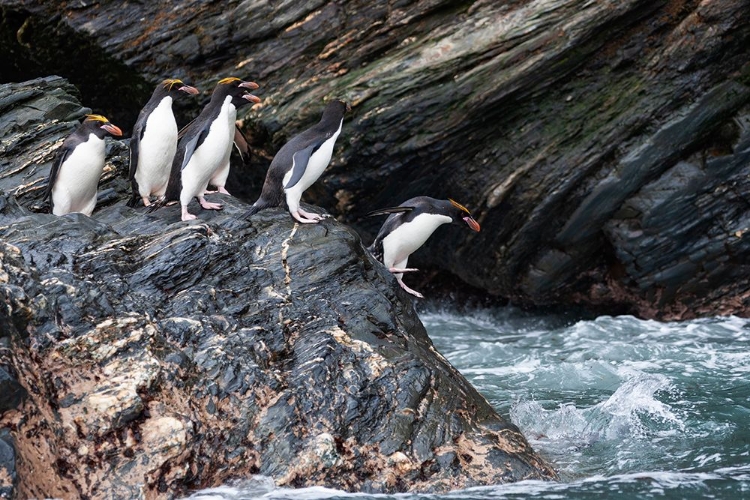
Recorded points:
(336,108)
(460,214)
(176,88)
(238,90)
(100,126)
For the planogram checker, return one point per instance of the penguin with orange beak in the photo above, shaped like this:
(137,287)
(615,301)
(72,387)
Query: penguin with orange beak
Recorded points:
(74,177)
(299,163)
(409,226)
(154,142)
(206,144)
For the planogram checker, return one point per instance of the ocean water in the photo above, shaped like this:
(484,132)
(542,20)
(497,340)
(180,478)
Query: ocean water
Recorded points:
(623,408)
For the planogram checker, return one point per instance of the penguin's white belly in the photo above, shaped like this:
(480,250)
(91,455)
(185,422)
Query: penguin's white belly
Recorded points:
(408,237)
(317,163)
(220,177)
(157,150)
(78,178)
(210,156)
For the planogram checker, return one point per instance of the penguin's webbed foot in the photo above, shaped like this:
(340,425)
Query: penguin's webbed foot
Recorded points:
(311,215)
(207,205)
(223,190)
(406,270)
(409,290)
(298,215)
(146,201)
(187,215)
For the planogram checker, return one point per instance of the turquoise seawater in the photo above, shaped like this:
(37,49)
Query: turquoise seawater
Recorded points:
(623,408)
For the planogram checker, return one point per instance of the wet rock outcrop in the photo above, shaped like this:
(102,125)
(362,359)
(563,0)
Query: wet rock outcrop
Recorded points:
(603,145)
(152,357)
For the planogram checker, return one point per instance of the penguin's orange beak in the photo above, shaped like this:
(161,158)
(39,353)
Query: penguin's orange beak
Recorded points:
(474,225)
(249,85)
(188,90)
(251,98)
(112,129)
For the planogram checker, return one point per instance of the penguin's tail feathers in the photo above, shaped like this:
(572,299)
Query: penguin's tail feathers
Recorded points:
(388,211)
(376,250)
(157,204)
(256,207)
(133,201)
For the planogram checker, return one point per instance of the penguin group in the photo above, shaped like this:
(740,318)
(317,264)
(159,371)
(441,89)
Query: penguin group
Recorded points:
(165,165)
(169,165)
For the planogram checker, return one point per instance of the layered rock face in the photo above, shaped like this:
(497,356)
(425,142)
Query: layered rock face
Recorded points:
(602,145)
(141,356)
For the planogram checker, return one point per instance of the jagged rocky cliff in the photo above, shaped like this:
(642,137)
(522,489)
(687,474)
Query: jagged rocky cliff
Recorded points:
(144,357)
(603,145)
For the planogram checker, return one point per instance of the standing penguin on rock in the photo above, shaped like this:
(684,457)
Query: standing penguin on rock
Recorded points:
(206,145)
(299,163)
(409,226)
(154,142)
(74,177)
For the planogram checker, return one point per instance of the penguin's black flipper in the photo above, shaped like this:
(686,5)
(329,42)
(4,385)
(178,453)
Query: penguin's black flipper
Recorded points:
(185,149)
(392,210)
(172,192)
(135,143)
(59,160)
(240,143)
(185,129)
(190,146)
(299,164)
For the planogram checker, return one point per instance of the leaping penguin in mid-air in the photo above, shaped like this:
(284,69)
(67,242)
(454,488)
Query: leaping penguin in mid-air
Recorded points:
(408,227)
(154,142)
(299,163)
(74,177)
(206,145)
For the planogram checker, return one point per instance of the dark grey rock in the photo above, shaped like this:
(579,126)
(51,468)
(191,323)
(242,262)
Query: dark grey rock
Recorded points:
(8,473)
(12,393)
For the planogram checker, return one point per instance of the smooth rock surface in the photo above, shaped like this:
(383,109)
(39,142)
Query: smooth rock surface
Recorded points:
(161,357)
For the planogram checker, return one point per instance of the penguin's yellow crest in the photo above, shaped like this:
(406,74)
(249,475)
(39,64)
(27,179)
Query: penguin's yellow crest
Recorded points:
(171,82)
(96,118)
(227,80)
(459,206)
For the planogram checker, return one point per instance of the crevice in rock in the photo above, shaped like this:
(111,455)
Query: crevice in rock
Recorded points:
(35,47)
